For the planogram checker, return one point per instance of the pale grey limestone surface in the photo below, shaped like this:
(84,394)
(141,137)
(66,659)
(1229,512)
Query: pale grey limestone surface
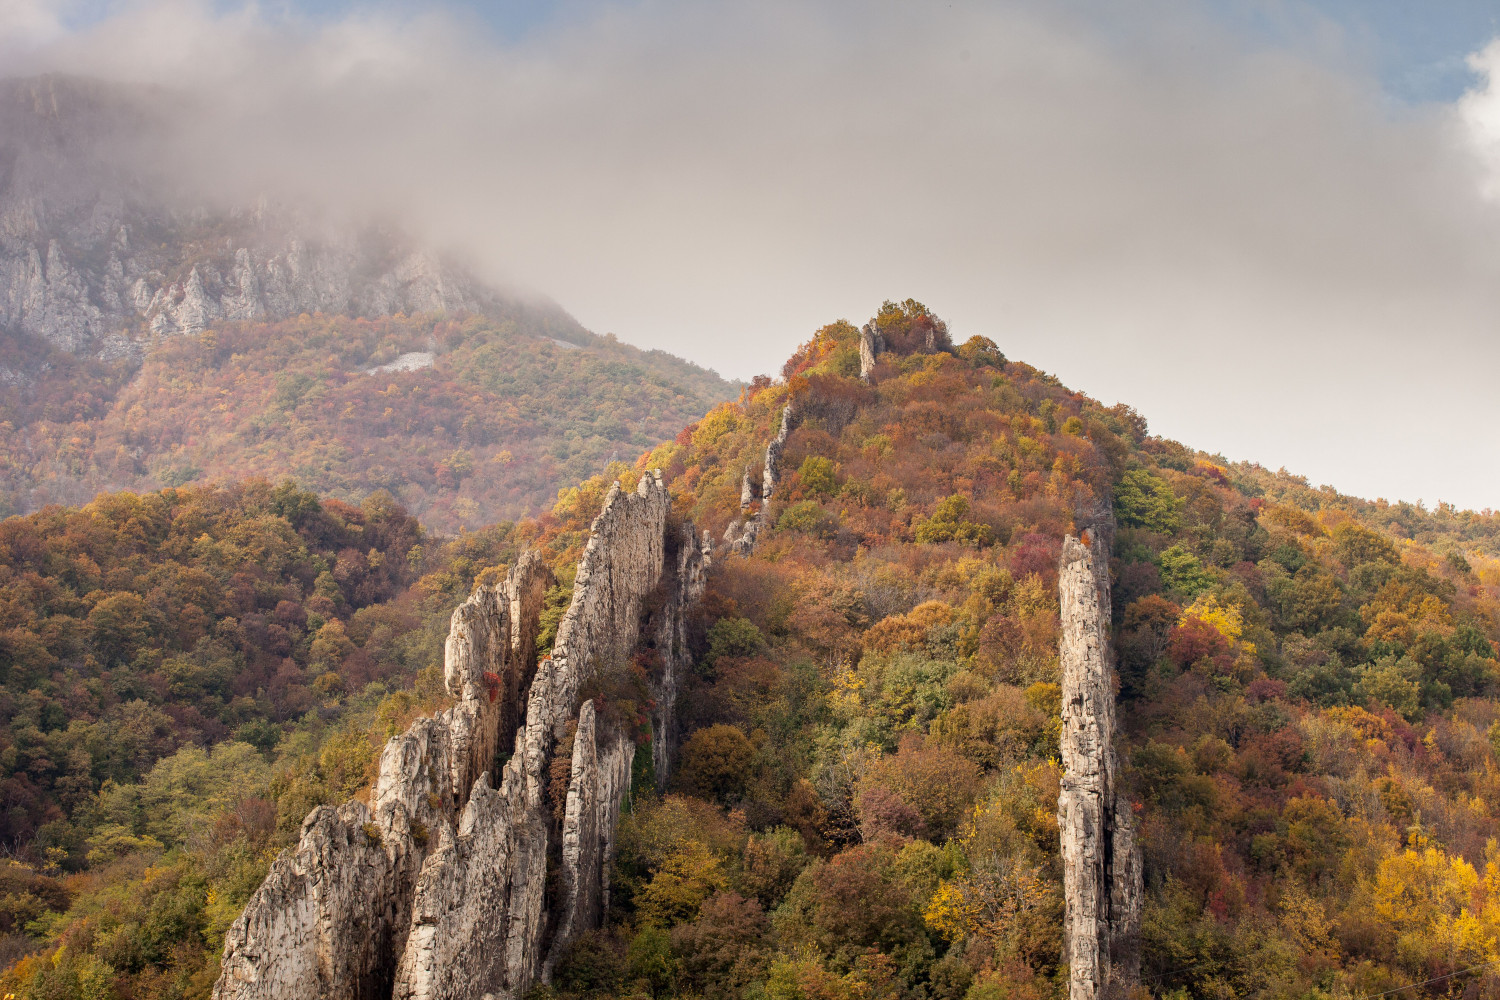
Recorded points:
(441,892)
(1101,863)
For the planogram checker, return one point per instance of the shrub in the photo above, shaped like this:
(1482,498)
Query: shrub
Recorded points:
(949,523)
(733,637)
(714,762)
(817,477)
(1143,500)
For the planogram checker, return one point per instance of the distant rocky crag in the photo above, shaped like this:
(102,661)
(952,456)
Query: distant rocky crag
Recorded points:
(458,880)
(101,253)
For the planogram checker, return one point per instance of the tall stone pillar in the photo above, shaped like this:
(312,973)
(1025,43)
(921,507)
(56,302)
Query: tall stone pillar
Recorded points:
(1101,863)
(871,343)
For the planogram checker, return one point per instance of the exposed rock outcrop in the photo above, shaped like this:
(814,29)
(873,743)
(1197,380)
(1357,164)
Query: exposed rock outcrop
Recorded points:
(102,252)
(670,642)
(871,343)
(599,779)
(1101,862)
(447,881)
(741,535)
(499,860)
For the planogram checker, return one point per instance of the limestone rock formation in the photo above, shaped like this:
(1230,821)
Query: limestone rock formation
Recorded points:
(599,778)
(669,640)
(871,343)
(102,252)
(741,535)
(441,892)
(1101,862)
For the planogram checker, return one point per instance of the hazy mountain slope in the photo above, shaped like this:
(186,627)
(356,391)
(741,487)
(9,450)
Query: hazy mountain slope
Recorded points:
(102,249)
(503,413)
(107,261)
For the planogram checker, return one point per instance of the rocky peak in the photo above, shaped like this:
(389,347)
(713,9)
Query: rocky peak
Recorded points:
(440,891)
(99,253)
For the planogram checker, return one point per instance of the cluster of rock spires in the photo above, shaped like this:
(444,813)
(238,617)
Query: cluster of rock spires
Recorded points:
(449,886)
(741,534)
(99,254)
(1101,859)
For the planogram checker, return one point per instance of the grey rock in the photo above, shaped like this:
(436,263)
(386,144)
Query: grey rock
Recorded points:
(81,172)
(1101,862)
(740,537)
(871,343)
(445,897)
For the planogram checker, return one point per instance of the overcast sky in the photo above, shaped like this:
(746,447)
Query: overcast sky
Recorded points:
(1273,228)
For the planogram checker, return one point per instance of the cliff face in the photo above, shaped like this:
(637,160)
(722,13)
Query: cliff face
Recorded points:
(100,253)
(668,637)
(1101,862)
(442,890)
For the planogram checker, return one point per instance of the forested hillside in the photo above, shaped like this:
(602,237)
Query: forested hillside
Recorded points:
(154,332)
(487,422)
(864,801)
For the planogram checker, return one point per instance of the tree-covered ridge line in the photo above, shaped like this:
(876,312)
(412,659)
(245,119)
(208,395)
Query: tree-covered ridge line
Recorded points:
(866,800)
(864,803)
(505,415)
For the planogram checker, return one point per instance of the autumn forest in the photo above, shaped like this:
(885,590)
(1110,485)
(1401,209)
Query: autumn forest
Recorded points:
(864,797)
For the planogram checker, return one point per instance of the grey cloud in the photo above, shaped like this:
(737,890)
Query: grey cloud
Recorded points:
(1252,246)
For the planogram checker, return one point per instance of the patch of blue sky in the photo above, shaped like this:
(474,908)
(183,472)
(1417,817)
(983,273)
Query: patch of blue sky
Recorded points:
(1417,49)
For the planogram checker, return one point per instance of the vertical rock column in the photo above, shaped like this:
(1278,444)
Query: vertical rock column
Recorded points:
(871,343)
(694,557)
(1101,866)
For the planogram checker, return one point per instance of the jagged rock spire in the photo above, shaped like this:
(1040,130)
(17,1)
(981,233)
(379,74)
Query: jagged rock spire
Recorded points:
(740,536)
(440,891)
(871,343)
(1101,862)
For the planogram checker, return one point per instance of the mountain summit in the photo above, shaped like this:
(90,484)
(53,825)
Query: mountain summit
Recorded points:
(145,330)
(97,254)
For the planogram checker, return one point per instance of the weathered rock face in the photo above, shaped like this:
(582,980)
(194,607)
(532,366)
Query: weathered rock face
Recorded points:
(500,856)
(1101,863)
(740,536)
(442,892)
(100,254)
(871,343)
(670,640)
(599,779)
(327,919)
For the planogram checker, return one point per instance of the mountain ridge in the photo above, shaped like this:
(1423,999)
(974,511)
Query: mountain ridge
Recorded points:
(110,264)
(863,801)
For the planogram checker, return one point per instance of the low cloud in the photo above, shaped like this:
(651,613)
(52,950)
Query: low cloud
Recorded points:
(1253,246)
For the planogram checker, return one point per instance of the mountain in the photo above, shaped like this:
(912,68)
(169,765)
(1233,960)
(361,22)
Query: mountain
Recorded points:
(110,266)
(863,799)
